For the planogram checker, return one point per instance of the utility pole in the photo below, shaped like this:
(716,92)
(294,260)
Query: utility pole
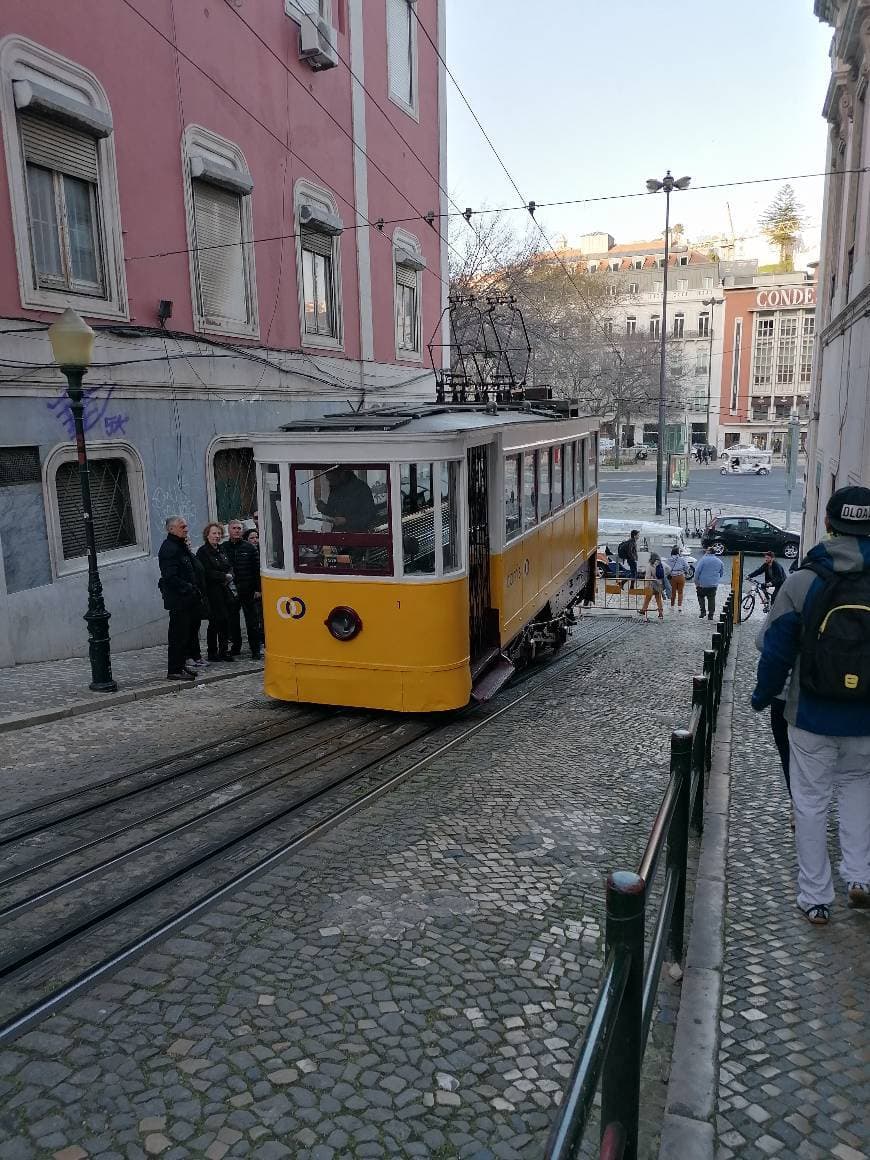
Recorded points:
(791,455)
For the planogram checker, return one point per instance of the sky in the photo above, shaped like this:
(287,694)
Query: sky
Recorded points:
(583,99)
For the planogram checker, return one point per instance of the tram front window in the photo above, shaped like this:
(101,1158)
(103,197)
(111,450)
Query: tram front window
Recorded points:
(273,534)
(341,519)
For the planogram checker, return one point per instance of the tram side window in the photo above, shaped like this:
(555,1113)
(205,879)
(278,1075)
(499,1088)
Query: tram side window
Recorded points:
(273,528)
(557,476)
(450,516)
(544,458)
(530,489)
(569,470)
(580,465)
(592,471)
(418,519)
(513,523)
(341,519)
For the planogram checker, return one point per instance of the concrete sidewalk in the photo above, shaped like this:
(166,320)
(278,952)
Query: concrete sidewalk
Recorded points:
(51,690)
(772,1053)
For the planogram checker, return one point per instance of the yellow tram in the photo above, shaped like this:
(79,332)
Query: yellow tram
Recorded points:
(412,557)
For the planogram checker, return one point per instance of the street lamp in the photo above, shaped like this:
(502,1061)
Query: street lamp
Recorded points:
(712,303)
(668,184)
(72,343)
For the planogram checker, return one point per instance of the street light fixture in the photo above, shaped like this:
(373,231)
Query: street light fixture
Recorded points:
(667,185)
(72,343)
(712,303)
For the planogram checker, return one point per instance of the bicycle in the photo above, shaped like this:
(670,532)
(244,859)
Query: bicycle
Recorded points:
(756,589)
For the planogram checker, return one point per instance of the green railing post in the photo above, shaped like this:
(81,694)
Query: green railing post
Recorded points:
(710,674)
(700,697)
(678,837)
(620,1080)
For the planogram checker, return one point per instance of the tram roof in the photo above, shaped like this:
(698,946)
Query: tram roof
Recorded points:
(431,419)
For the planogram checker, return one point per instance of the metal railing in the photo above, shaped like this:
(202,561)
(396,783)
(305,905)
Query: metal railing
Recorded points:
(613,1045)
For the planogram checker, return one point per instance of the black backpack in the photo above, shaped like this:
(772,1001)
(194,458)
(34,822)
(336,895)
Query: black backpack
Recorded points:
(623,550)
(835,648)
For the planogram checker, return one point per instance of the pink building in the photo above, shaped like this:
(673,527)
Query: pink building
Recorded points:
(245,200)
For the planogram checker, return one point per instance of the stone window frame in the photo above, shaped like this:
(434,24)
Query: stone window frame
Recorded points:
(413,108)
(97,449)
(197,138)
(306,192)
(22,59)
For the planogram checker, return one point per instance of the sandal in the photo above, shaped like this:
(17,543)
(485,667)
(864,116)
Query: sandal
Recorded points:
(817,915)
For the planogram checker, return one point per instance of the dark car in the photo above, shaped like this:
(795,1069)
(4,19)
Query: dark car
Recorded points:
(749,534)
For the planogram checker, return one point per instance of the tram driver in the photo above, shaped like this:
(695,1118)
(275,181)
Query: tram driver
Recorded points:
(350,504)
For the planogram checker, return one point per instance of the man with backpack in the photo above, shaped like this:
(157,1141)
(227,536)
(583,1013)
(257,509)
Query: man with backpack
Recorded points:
(819,631)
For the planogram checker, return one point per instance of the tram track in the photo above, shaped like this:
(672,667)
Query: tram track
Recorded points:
(95,906)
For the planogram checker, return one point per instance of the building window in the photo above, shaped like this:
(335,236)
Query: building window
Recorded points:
(683,261)
(316,9)
(807,342)
(402,54)
(704,325)
(634,287)
(318,260)
(787,349)
(638,263)
(60,160)
(631,325)
(607,328)
(117,499)
(735,364)
(614,266)
(409,265)
(763,354)
(220,226)
(235,484)
(655,326)
(702,360)
(657,286)
(593,267)
(682,284)
(707,282)
(679,325)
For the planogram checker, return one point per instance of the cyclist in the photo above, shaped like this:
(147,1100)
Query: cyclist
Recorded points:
(774,574)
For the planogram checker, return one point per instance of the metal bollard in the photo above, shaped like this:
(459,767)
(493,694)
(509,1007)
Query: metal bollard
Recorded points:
(678,837)
(620,1079)
(701,746)
(718,668)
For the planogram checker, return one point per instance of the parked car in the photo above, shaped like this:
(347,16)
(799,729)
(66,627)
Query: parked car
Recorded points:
(749,534)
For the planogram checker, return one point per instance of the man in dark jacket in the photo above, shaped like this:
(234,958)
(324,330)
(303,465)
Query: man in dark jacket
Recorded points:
(350,505)
(181,596)
(829,735)
(774,574)
(245,560)
(627,552)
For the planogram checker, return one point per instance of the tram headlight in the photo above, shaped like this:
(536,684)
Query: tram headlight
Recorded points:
(343,623)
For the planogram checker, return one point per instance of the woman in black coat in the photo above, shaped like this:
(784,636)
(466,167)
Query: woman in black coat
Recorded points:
(220,591)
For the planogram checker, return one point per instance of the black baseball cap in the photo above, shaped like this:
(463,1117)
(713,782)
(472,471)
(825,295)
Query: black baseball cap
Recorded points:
(848,511)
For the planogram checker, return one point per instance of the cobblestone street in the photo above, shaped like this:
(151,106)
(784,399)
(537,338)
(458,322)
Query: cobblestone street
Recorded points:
(414,983)
(795,1037)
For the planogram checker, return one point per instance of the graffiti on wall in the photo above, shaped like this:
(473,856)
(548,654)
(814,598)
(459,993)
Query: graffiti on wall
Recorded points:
(99,414)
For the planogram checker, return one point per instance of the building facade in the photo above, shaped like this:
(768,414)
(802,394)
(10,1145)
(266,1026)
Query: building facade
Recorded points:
(242,200)
(839,441)
(632,312)
(769,331)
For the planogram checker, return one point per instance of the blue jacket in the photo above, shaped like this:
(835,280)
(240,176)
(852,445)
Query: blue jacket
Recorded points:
(708,571)
(781,643)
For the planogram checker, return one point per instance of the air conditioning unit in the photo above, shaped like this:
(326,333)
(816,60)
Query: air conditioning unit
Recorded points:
(317,43)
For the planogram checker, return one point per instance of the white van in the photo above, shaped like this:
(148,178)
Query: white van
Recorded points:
(654,537)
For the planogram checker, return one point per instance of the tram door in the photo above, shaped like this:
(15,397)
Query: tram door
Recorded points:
(480,613)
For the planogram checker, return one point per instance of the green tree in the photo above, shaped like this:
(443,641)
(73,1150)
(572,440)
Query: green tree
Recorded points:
(782,223)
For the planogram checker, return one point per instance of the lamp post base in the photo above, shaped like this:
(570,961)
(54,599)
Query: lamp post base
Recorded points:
(103,686)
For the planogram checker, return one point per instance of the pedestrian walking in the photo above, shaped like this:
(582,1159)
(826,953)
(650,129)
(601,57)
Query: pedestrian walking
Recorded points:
(181,596)
(818,635)
(654,576)
(679,571)
(708,575)
(245,561)
(626,553)
(221,591)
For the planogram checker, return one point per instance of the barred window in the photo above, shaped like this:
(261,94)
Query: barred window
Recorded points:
(764,324)
(235,484)
(114,524)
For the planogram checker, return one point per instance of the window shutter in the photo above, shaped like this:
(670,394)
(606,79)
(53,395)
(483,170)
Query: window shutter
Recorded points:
(219,258)
(316,241)
(399,19)
(58,147)
(405,276)
(114,526)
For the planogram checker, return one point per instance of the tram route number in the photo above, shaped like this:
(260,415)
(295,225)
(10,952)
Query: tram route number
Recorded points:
(291,607)
(518,572)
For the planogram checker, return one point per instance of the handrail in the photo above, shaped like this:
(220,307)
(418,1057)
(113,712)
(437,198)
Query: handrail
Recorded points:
(612,1048)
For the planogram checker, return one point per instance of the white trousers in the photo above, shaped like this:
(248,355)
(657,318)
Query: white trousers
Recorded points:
(819,765)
